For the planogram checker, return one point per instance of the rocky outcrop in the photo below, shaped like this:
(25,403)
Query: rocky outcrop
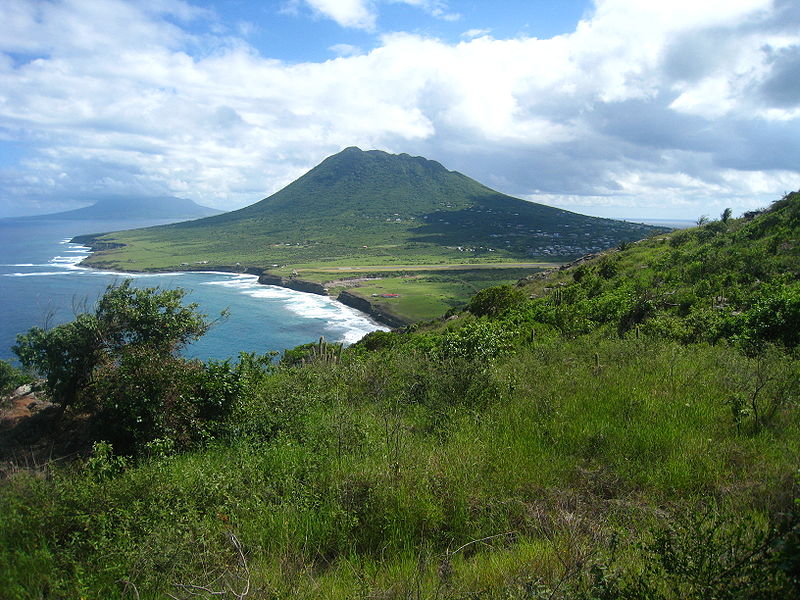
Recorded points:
(293,283)
(94,243)
(376,312)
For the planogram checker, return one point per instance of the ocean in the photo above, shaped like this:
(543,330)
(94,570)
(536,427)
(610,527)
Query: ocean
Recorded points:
(42,285)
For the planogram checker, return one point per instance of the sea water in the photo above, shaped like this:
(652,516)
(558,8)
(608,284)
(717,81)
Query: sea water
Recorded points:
(41,284)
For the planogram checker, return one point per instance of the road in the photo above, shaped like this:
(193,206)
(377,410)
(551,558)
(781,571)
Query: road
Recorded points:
(448,267)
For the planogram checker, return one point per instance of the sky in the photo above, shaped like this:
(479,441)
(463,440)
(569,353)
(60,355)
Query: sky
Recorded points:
(621,108)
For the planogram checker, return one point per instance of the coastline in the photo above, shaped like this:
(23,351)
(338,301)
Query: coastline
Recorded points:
(264,278)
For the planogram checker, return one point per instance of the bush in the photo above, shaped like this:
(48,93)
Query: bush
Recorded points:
(146,396)
(774,318)
(68,355)
(10,378)
(495,300)
(702,555)
(481,340)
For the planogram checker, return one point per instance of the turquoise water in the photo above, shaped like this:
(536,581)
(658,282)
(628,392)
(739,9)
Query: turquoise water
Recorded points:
(41,285)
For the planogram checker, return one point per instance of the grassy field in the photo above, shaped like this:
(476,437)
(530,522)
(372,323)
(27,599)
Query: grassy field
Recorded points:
(423,293)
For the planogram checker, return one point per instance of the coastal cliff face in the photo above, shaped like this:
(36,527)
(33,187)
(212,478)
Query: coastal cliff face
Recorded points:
(345,297)
(366,306)
(293,283)
(95,244)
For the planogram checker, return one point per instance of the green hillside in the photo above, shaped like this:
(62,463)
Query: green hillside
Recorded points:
(735,279)
(625,428)
(372,208)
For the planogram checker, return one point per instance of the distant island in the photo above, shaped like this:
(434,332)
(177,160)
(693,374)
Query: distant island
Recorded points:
(119,208)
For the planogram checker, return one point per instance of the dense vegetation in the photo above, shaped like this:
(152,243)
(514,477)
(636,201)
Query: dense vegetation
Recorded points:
(371,208)
(728,279)
(626,428)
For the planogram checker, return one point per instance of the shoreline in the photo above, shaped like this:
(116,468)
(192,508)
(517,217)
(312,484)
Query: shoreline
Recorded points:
(264,278)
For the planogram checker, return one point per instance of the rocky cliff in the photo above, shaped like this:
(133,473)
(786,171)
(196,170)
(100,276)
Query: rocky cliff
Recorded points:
(376,312)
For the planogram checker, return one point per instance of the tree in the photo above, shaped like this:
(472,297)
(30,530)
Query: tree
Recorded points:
(69,355)
(150,316)
(726,214)
(65,355)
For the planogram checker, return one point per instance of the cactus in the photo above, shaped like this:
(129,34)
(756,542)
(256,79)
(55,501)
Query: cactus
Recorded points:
(325,353)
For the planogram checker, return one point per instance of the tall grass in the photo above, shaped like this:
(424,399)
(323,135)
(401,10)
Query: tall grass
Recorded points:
(400,476)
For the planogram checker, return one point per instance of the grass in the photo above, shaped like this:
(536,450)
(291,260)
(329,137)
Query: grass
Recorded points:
(374,482)
(423,294)
(625,433)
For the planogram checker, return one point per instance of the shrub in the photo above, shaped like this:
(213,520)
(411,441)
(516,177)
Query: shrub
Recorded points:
(68,355)
(147,396)
(120,364)
(10,378)
(702,555)
(774,318)
(495,300)
(480,340)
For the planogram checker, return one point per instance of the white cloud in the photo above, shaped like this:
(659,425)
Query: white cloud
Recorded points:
(436,8)
(345,49)
(665,108)
(474,33)
(363,14)
(347,13)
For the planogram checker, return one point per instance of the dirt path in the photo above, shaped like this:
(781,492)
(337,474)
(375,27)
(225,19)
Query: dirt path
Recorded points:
(14,410)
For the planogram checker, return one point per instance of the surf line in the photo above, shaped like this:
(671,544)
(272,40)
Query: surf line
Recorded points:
(296,284)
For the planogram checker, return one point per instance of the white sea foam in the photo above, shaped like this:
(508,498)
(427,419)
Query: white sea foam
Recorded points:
(23,265)
(344,324)
(77,253)
(67,262)
(34,274)
(234,281)
(71,264)
(127,275)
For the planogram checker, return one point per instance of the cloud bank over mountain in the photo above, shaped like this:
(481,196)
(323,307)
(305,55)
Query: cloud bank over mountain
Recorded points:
(678,108)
